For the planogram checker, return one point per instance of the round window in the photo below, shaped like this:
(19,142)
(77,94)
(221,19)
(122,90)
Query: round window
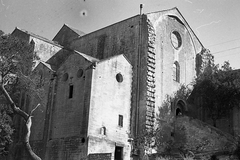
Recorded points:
(176,39)
(119,77)
(65,77)
(79,73)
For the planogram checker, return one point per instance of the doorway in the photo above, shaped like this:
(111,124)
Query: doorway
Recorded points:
(118,153)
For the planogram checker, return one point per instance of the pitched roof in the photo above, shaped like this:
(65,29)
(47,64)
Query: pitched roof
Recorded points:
(115,56)
(87,57)
(80,33)
(60,57)
(45,64)
(38,37)
(174,12)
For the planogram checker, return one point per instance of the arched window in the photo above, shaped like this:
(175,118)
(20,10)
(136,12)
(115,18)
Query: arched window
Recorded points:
(176,71)
(181,108)
(103,131)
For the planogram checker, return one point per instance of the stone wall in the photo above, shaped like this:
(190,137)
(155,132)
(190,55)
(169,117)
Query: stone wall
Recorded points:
(42,77)
(110,98)
(71,148)
(202,137)
(197,140)
(100,156)
(151,61)
(44,50)
(69,112)
(166,54)
(66,34)
(60,129)
(116,39)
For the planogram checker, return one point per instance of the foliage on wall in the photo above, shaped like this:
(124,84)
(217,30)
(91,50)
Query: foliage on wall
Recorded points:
(184,135)
(219,89)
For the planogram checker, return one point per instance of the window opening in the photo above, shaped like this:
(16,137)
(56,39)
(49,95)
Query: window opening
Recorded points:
(79,73)
(83,140)
(120,120)
(70,91)
(176,39)
(176,72)
(65,77)
(103,131)
(119,77)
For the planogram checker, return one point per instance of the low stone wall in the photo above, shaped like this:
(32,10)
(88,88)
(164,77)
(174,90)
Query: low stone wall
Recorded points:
(194,139)
(100,156)
(201,137)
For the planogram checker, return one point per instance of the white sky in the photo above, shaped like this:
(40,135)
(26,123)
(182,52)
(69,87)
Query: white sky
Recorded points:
(215,22)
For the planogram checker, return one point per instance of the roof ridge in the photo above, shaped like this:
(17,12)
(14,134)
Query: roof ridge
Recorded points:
(75,30)
(89,58)
(39,37)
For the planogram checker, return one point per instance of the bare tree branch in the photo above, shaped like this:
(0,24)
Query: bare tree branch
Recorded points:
(28,120)
(15,109)
(34,109)
(16,56)
(6,83)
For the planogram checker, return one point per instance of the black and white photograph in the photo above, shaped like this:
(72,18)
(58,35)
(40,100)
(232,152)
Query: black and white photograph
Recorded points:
(119,80)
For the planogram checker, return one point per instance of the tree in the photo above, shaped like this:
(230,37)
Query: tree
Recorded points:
(165,137)
(16,57)
(219,89)
(6,129)
(1,32)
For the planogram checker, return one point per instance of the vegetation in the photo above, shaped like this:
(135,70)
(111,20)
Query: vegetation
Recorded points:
(166,137)
(237,151)
(219,89)
(16,57)
(1,32)
(6,129)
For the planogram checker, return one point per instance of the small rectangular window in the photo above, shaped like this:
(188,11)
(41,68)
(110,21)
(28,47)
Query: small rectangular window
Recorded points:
(70,91)
(120,120)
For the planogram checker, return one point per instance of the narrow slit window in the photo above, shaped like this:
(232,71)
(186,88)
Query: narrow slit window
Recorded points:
(70,91)
(120,120)
(176,71)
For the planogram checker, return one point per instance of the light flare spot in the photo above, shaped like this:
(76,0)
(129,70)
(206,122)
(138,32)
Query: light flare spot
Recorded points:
(83,13)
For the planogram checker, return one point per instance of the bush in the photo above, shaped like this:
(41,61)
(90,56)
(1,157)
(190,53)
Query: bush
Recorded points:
(237,151)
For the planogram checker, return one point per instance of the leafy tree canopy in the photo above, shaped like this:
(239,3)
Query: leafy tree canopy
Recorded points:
(1,32)
(15,64)
(219,88)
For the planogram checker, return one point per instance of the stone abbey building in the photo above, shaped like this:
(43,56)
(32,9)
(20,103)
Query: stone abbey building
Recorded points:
(103,89)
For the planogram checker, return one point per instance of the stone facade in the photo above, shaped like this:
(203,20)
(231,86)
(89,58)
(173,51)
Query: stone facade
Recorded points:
(146,42)
(102,101)
(151,86)
(109,113)
(43,48)
(101,156)
(66,35)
